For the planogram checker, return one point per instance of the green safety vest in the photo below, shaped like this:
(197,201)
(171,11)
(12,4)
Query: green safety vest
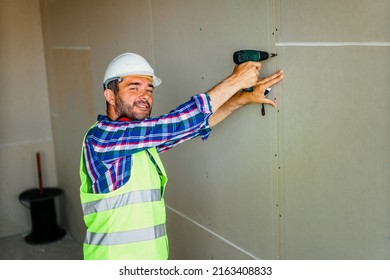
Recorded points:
(128,223)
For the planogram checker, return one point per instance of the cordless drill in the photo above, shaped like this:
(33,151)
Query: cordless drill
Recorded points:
(250,55)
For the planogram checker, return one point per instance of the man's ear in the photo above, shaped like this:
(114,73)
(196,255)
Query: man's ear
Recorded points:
(109,95)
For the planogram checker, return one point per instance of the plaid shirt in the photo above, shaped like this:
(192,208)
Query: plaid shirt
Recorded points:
(109,145)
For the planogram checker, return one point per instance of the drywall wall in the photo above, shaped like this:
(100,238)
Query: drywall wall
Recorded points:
(225,185)
(71,99)
(335,129)
(24,112)
(306,181)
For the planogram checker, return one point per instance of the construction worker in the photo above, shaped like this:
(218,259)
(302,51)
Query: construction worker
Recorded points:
(122,178)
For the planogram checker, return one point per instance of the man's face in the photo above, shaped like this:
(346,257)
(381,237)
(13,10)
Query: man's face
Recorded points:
(135,98)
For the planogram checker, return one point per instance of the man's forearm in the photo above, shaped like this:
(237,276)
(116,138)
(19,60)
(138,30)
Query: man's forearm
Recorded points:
(226,109)
(222,92)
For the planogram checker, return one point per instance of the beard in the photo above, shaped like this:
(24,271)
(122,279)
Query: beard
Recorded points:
(125,110)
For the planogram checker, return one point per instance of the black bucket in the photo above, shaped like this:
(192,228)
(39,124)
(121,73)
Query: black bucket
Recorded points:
(43,215)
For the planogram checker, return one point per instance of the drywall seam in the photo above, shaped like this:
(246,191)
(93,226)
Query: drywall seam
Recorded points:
(152,34)
(275,149)
(332,44)
(213,233)
(26,142)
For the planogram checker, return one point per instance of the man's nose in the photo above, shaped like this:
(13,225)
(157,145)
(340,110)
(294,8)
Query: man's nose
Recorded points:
(145,96)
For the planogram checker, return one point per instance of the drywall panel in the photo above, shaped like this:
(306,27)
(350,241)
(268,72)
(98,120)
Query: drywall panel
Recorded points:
(336,152)
(71,101)
(333,129)
(116,27)
(335,20)
(24,112)
(68,22)
(23,96)
(227,183)
(72,71)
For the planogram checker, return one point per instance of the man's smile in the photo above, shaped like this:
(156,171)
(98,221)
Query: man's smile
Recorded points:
(144,106)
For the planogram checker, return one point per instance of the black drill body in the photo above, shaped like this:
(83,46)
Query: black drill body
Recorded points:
(250,55)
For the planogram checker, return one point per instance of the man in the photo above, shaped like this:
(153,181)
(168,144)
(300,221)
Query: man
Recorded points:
(123,179)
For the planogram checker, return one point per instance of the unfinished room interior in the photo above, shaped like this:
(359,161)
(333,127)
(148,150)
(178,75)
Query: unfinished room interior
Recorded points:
(306,180)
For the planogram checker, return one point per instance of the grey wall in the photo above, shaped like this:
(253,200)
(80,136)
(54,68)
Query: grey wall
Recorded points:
(334,124)
(25,127)
(309,180)
(228,183)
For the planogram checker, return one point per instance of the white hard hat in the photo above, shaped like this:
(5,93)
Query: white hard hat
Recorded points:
(129,64)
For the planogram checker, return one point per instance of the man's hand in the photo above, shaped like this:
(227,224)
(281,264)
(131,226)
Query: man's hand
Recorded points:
(257,95)
(247,74)
(242,98)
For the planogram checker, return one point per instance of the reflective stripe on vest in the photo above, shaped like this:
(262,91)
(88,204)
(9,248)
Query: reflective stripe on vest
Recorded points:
(122,200)
(117,238)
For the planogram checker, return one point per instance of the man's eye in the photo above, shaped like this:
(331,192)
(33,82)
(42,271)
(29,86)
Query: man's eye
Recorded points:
(133,89)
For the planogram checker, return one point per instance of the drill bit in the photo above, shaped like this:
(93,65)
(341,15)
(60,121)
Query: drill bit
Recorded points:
(273,54)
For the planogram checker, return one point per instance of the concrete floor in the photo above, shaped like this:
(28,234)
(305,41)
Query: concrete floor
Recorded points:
(15,248)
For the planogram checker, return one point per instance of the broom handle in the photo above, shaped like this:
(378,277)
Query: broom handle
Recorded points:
(39,173)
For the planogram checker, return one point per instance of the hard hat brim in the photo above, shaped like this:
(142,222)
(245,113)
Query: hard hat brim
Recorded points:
(156,81)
